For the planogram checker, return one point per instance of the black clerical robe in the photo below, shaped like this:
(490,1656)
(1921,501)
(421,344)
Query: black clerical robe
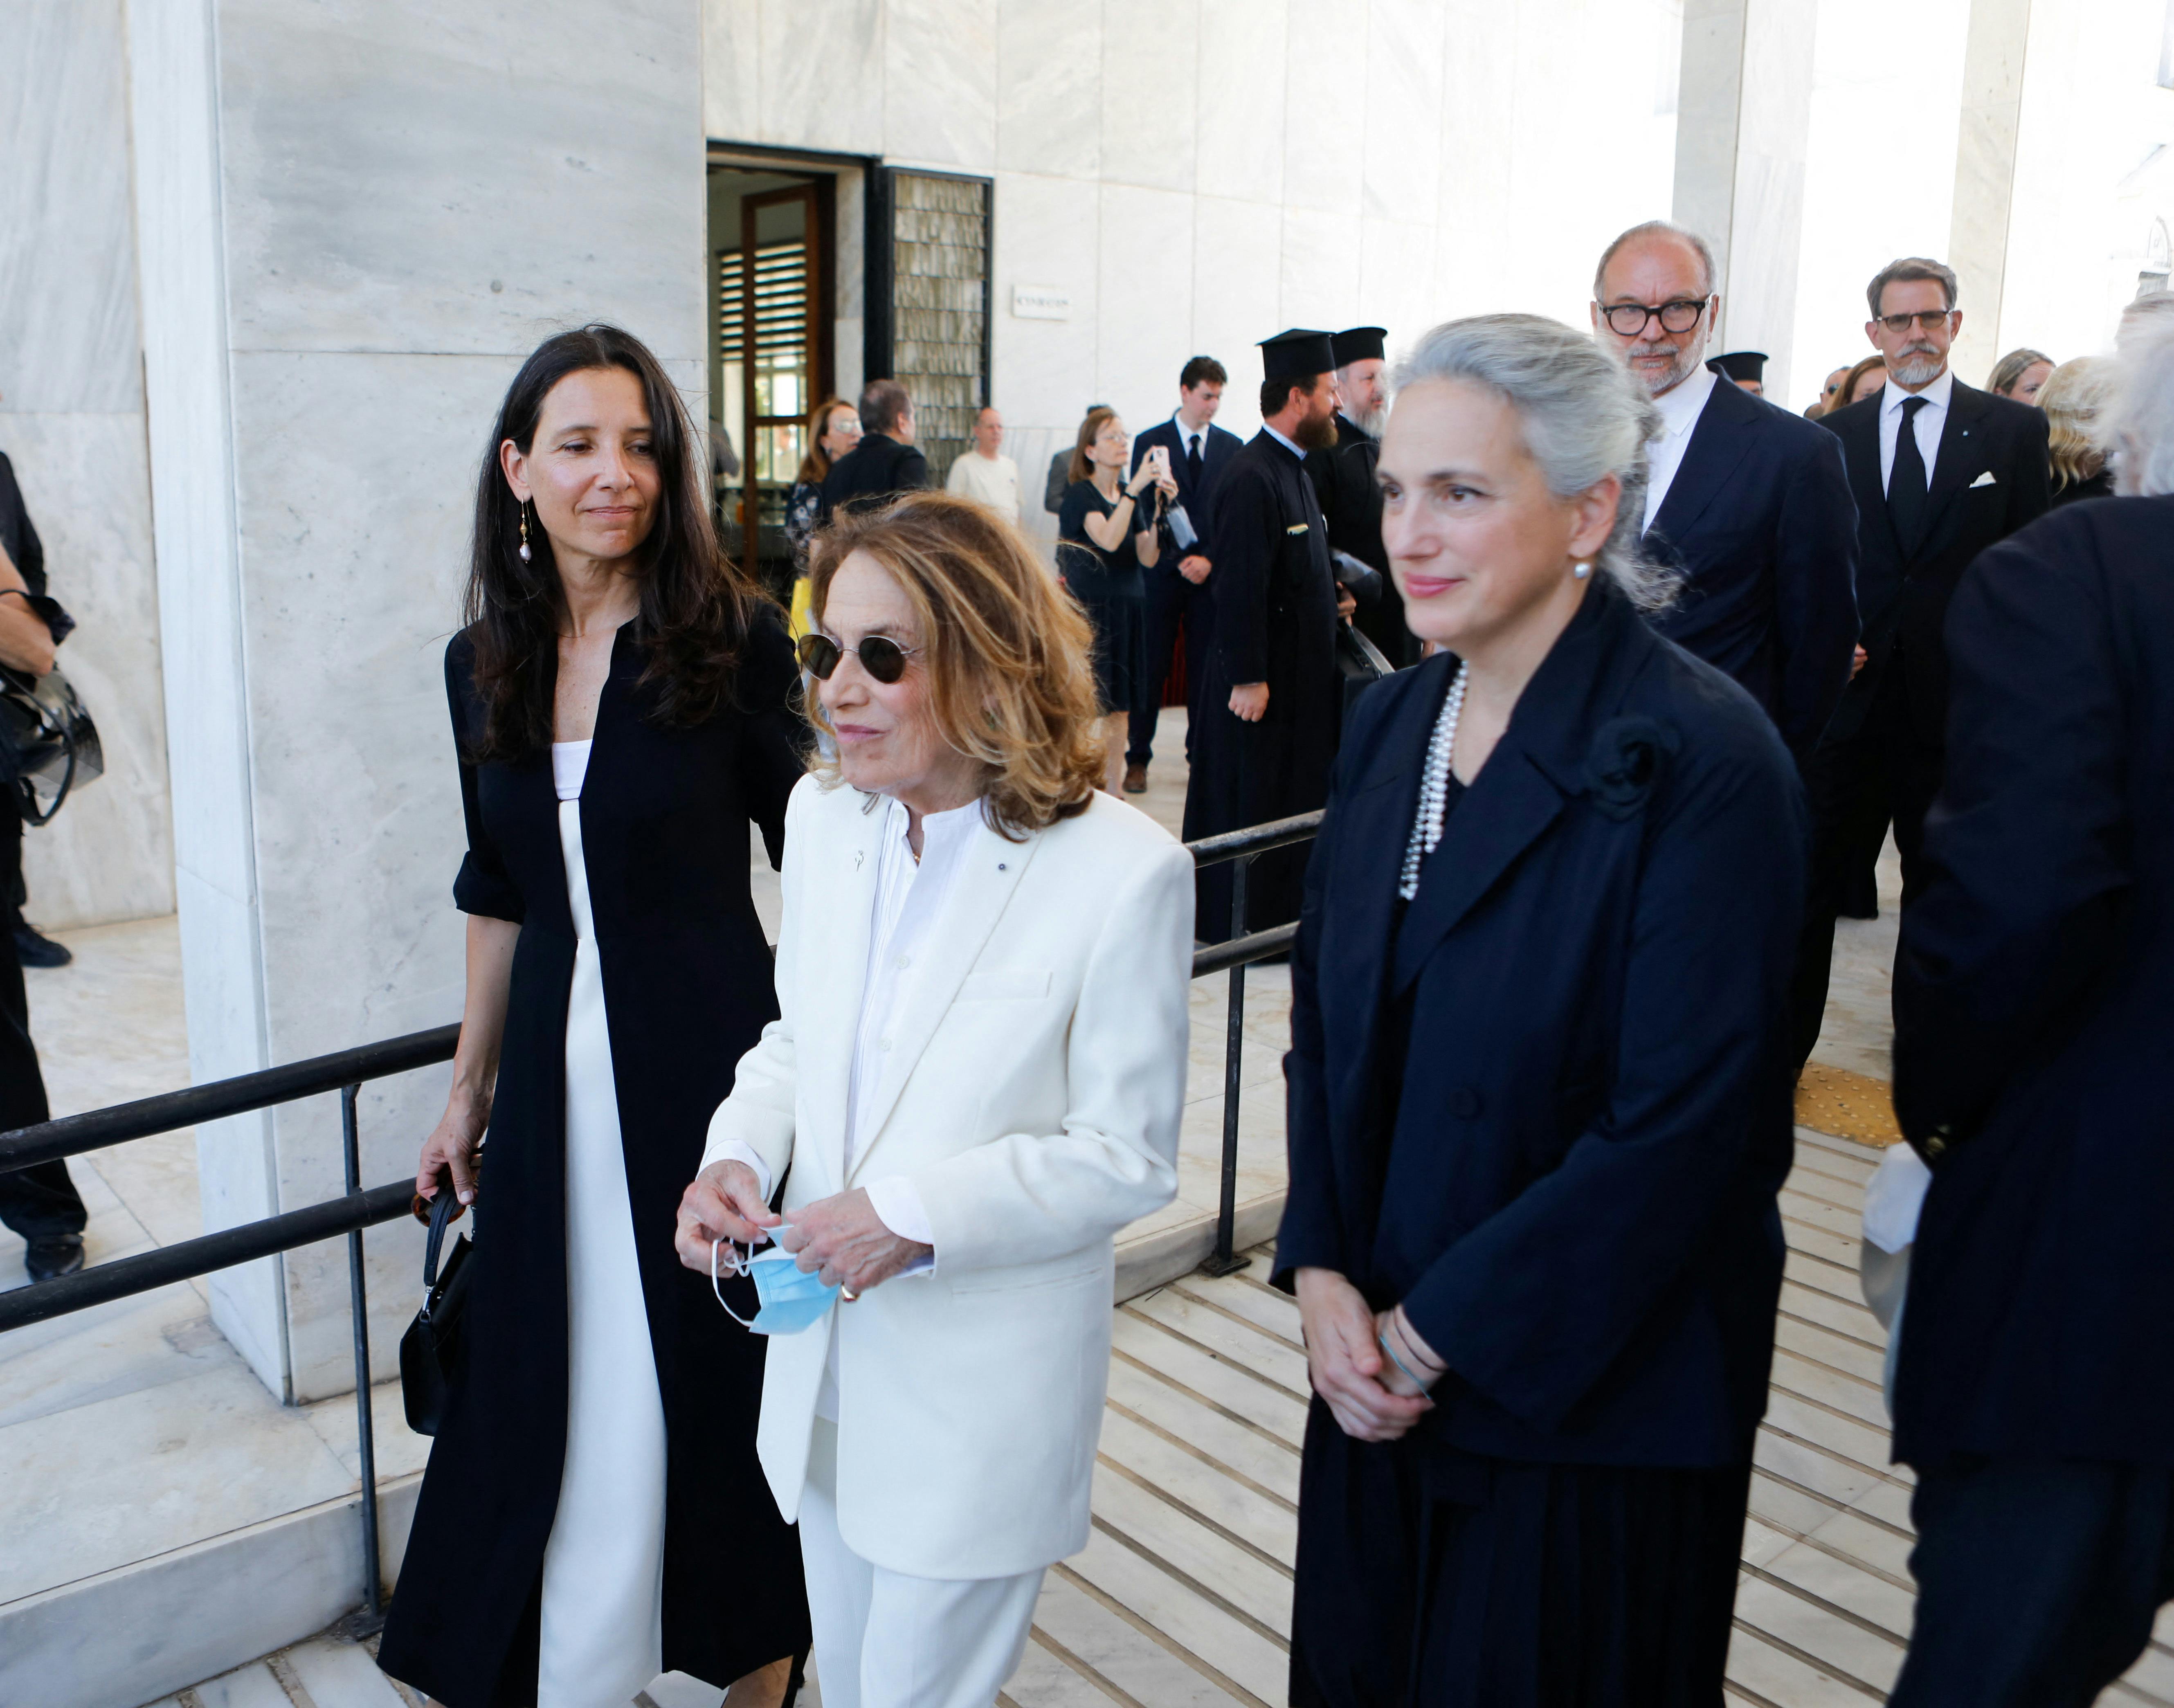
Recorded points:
(1275,622)
(1350,499)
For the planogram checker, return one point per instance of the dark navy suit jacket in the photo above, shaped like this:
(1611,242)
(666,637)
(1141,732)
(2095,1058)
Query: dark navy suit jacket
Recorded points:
(2034,1008)
(1219,447)
(1579,1209)
(1761,521)
(1991,478)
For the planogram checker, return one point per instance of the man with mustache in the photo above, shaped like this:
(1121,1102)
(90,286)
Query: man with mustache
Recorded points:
(1940,472)
(1343,477)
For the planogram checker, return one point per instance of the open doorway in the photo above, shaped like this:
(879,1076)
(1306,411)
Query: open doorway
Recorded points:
(771,286)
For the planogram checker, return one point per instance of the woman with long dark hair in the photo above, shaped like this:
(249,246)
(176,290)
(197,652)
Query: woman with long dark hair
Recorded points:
(620,699)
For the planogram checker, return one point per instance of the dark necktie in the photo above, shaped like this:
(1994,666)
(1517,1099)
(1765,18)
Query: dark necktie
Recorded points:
(1192,463)
(1906,483)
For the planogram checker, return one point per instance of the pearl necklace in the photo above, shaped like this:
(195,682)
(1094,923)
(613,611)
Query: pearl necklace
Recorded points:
(1434,786)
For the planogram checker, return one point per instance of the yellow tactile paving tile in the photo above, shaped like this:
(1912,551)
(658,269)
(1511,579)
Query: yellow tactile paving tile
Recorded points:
(1843,1105)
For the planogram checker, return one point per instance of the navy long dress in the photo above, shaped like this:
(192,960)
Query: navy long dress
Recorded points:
(664,813)
(1109,588)
(1545,1107)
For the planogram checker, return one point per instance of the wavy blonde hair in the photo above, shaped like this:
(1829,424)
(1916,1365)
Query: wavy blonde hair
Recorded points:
(1008,656)
(2075,395)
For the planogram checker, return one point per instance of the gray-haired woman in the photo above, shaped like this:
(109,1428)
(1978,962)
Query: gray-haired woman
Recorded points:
(1540,1096)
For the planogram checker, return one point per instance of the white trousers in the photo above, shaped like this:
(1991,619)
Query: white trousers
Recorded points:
(604,1567)
(884,1639)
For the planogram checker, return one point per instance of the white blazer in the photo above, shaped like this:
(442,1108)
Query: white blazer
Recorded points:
(1038,1079)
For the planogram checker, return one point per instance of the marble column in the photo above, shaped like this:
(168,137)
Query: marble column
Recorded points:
(72,423)
(1985,176)
(355,223)
(1742,122)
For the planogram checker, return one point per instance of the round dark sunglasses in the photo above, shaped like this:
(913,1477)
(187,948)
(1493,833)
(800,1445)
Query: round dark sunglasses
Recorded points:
(880,656)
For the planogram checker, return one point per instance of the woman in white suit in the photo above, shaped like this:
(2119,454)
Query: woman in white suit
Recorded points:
(975,1082)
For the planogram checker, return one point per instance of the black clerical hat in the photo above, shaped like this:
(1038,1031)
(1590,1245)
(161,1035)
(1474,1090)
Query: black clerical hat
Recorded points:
(1741,365)
(1297,354)
(1358,344)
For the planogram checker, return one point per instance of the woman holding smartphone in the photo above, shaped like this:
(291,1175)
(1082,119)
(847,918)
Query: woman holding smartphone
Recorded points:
(1106,534)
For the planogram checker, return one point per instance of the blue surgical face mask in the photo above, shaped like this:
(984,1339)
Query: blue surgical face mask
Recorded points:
(793,1298)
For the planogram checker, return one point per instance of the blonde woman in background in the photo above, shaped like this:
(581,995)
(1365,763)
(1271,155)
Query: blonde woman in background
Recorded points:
(2073,398)
(2021,374)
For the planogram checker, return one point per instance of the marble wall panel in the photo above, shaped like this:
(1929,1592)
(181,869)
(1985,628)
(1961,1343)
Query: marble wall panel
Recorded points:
(1404,43)
(1320,269)
(822,75)
(940,83)
(110,854)
(1396,280)
(353,548)
(1237,296)
(385,162)
(1151,62)
(732,69)
(1049,89)
(1324,138)
(67,254)
(1473,191)
(1144,307)
(1044,371)
(1244,82)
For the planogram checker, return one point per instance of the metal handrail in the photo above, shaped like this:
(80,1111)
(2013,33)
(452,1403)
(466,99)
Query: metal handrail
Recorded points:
(345,1071)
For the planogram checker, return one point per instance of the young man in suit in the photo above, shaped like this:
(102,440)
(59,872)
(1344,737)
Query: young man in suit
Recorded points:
(2034,996)
(1178,591)
(1748,502)
(1940,472)
(886,462)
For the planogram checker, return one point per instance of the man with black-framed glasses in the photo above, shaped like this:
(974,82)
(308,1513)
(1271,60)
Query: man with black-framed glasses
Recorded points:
(1748,502)
(1941,471)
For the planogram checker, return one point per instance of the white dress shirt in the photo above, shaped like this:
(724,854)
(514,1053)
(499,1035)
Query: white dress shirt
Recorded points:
(909,895)
(1930,420)
(1680,407)
(1191,438)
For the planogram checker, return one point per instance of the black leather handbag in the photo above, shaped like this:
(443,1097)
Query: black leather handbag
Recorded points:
(48,744)
(432,1349)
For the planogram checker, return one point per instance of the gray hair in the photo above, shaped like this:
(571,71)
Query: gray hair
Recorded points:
(1910,267)
(2140,420)
(1584,418)
(2142,314)
(1660,228)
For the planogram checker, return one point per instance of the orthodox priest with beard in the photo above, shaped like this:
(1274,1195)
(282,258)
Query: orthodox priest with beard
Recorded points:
(1342,476)
(1269,706)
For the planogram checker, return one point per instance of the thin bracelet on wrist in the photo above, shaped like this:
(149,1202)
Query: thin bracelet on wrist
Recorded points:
(1415,1381)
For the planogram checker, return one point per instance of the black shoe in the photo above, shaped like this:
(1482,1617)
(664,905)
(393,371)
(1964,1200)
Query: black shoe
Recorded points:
(36,951)
(62,1254)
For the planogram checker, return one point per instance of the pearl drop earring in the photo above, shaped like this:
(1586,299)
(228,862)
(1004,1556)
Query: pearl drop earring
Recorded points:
(1580,570)
(524,531)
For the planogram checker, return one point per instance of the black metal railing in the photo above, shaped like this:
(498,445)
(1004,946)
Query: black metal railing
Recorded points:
(346,1072)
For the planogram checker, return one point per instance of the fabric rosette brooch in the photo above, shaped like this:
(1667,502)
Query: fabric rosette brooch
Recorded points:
(1630,757)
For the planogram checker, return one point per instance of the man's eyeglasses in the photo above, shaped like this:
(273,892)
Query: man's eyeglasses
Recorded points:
(1925,320)
(1627,320)
(880,656)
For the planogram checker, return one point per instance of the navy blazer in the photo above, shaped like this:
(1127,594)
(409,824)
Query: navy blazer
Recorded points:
(1215,454)
(1760,521)
(2034,1008)
(1902,601)
(1599,963)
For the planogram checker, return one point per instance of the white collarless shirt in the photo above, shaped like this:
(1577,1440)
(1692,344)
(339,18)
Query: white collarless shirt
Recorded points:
(1931,420)
(909,897)
(1680,407)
